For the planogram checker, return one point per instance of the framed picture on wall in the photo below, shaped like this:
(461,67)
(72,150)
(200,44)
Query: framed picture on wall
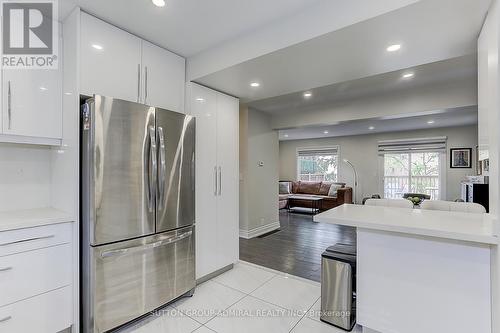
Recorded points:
(461,158)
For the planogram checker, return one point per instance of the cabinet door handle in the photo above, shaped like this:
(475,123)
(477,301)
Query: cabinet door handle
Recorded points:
(145,84)
(6,269)
(3,320)
(138,83)
(215,182)
(220,180)
(26,240)
(9,104)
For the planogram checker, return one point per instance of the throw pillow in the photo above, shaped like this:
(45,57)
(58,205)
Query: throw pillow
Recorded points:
(284,187)
(333,190)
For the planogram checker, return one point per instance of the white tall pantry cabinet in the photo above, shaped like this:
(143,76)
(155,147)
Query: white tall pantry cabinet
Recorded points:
(217,178)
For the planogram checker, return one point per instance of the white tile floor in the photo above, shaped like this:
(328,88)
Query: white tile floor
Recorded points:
(248,298)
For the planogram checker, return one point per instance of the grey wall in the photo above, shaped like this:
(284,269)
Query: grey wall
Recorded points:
(258,184)
(361,150)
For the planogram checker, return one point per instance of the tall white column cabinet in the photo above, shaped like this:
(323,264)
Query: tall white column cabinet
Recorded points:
(118,64)
(217,178)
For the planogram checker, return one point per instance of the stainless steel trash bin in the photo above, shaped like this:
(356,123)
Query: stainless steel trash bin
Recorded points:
(338,286)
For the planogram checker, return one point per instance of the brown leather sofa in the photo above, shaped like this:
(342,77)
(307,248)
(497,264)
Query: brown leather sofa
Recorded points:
(316,189)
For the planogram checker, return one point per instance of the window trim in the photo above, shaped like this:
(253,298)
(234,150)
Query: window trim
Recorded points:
(298,149)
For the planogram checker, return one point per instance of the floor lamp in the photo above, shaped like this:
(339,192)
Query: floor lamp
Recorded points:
(355,179)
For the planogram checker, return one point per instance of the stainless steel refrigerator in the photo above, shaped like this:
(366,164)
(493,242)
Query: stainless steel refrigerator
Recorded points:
(137,210)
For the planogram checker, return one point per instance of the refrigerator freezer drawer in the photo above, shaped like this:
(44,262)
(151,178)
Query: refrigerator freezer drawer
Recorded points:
(135,277)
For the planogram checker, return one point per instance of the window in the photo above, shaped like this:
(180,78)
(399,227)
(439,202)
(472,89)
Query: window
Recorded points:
(413,166)
(319,164)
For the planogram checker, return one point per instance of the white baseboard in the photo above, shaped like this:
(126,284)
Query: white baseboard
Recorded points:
(247,234)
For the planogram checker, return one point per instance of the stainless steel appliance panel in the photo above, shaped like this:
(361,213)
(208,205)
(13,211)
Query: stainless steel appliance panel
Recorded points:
(135,277)
(176,170)
(337,293)
(118,169)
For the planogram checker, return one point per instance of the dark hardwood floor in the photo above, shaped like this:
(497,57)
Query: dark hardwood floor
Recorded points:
(296,248)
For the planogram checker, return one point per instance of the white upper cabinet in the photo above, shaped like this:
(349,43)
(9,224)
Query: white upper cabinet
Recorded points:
(110,60)
(32,103)
(117,64)
(163,78)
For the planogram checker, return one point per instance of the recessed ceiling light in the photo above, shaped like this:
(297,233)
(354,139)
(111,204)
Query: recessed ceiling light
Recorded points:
(408,75)
(68,93)
(430,122)
(286,135)
(308,94)
(43,88)
(254,84)
(371,128)
(159,3)
(199,99)
(97,46)
(394,47)
(326,132)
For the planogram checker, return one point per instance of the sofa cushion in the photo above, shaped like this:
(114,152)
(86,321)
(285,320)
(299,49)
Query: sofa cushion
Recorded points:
(295,187)
(309,187)
(324,188)
(333,189)
(284,187)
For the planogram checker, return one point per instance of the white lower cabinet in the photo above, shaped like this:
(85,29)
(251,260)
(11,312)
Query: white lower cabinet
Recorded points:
(47,313)
(217,184)
(36,275)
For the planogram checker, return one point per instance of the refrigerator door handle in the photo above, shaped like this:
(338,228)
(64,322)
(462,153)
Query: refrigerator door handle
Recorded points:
(215,181)
(146,247)
(163,167)
(152,167)
(220,180)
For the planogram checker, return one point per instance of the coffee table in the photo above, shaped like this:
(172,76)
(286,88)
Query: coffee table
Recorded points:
(315,202)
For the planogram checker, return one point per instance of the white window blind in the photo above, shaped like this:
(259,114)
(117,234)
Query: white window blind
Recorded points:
(318,151)
(413,166)
(437,144)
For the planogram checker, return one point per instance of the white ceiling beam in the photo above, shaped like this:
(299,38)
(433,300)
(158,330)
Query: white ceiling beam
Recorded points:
(427,98)
(323,17)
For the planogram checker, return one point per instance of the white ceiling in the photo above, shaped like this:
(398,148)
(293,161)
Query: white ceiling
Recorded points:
(462,68)
(429,31)
(444,118)
(187,27)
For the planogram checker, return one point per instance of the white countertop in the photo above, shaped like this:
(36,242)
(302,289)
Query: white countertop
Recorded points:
(29,218)
(468,227)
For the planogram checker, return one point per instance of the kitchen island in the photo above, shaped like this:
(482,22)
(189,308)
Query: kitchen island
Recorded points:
(420,270)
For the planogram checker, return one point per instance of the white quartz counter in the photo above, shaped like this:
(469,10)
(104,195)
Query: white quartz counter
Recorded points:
(29,218)
(468,227)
